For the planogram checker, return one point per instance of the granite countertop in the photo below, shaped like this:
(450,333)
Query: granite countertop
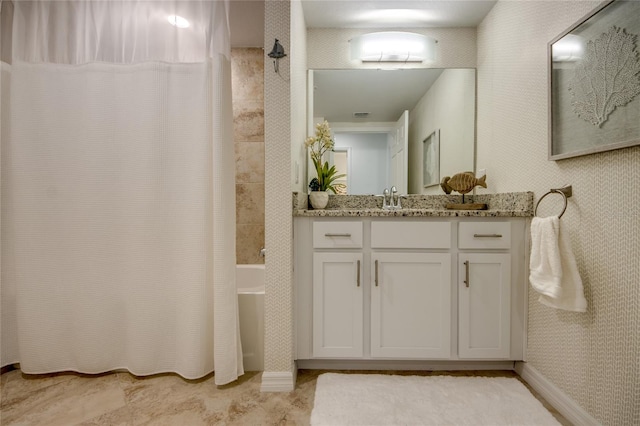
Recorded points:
(511,204)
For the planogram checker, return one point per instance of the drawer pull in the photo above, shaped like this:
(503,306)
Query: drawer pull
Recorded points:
(466,273)
(358,275)
(487,235)
(376,273)
(337,235)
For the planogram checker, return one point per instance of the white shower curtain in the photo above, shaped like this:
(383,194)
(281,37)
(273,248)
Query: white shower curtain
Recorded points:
(118,192)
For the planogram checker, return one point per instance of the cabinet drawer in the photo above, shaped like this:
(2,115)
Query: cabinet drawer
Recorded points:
(484,235)
(337,234)
(410,235)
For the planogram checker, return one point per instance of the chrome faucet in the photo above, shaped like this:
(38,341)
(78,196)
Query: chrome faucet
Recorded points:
(395,198)
(391,200)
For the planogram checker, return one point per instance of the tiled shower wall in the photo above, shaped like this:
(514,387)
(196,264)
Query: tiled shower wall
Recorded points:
(247,67)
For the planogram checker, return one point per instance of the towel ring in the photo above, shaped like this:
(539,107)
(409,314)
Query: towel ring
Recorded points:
(565,191)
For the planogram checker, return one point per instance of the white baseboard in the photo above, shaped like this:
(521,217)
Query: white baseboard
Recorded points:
(278,381)
(330,364)
(554,396)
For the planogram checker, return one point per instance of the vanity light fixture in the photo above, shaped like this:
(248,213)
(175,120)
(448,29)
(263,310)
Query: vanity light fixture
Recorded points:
(178,21)
(393,46)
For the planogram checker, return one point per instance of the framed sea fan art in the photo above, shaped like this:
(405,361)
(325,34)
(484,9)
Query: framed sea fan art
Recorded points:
(594,75)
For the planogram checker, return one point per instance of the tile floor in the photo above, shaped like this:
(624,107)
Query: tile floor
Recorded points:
(122,399)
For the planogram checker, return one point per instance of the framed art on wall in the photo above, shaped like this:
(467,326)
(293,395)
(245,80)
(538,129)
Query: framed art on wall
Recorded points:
(431,160)
(594,82)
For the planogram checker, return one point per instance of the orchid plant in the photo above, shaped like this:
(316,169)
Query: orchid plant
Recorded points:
(318,145)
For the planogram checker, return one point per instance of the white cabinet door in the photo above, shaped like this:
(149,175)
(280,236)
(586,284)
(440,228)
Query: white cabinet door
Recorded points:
(337,305)
(411,305)
(484,306)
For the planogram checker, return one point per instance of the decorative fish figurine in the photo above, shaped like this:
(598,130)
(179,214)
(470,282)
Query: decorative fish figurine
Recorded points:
(462,182)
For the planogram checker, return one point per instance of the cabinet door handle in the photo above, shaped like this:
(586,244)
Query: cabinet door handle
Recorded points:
(466,273)
(358,275)
(487,235)
(376,273)
(337,235)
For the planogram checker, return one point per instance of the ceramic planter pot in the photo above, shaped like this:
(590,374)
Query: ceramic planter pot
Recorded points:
(319,199)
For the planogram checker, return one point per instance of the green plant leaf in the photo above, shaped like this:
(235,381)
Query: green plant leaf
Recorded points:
(318,145)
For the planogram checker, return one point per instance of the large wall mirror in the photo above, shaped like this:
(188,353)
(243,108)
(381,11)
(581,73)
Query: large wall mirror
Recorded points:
(381,118)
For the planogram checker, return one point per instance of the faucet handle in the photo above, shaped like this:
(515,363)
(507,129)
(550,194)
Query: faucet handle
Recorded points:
(394,203)
(385,203)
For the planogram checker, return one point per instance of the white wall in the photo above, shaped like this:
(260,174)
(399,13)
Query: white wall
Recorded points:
(369,158)
(449,105)
(593,356)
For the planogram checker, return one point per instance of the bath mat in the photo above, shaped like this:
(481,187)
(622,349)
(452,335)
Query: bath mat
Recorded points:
(375,399)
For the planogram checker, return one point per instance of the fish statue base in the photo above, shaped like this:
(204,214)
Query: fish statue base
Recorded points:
(467,206)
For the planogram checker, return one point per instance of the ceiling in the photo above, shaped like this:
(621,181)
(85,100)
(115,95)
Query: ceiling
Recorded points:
(394,13)
(247,16)
(384,94)
(246,19)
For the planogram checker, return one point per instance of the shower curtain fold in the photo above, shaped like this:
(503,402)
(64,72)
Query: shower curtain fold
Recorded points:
(118,212)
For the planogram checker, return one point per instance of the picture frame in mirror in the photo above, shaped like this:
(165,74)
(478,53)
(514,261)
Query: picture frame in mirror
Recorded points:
(431,159)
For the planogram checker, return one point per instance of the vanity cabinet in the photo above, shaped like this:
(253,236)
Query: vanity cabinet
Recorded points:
(484,290)
(484,306)
(410,305)
(410,289)
(389,289)
(338,297)
(338,303)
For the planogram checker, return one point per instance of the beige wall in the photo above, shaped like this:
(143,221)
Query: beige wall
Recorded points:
(247,73)
(594,356)
(449,106)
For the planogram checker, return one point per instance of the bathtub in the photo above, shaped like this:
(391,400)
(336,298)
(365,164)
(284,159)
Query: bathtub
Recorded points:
(250,285)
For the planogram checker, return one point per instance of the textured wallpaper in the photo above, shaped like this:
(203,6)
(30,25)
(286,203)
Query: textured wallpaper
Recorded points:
(285,131)
(594,356)
(278,355)
(298,97)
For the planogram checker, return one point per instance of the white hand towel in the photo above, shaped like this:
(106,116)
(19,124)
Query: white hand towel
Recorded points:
(553,269)
(545,265)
